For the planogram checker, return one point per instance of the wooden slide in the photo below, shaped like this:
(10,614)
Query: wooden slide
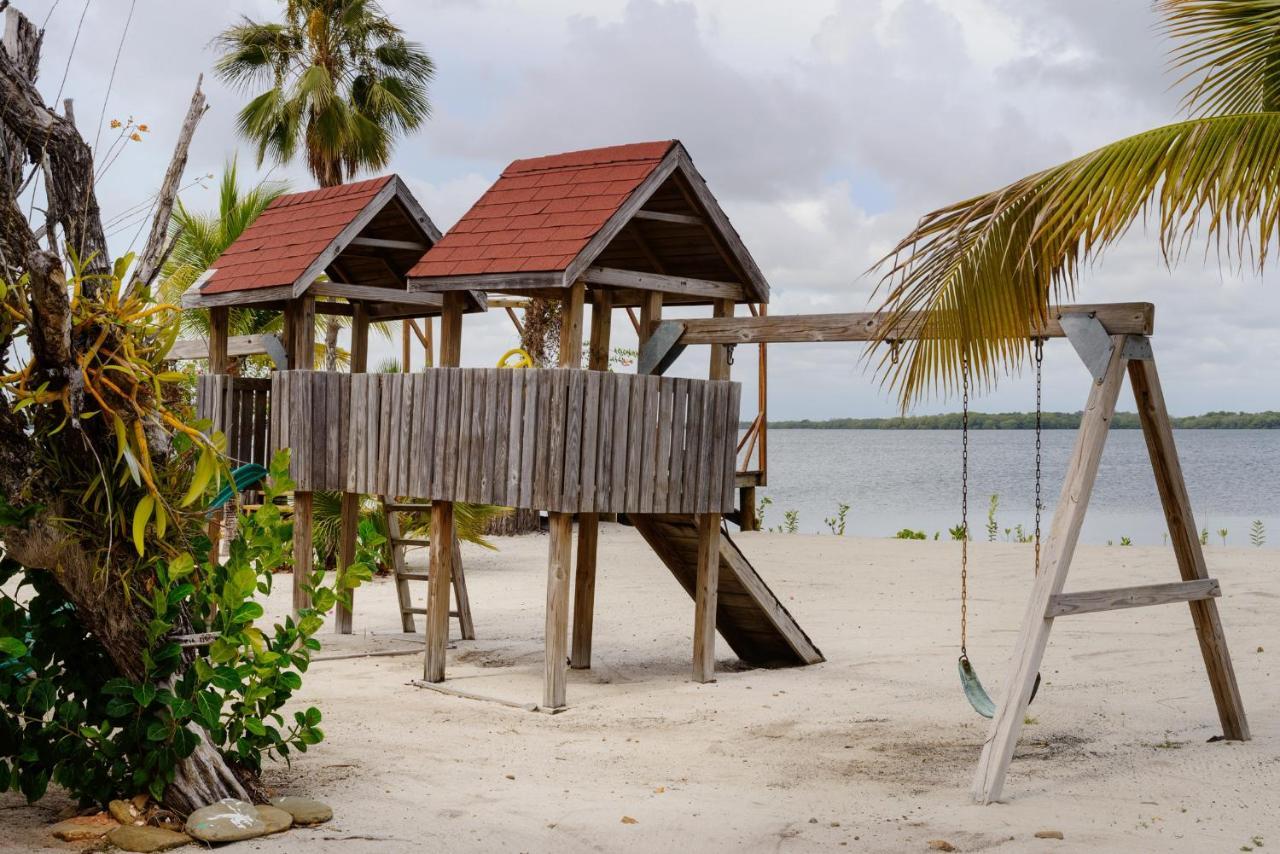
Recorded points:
(749,617)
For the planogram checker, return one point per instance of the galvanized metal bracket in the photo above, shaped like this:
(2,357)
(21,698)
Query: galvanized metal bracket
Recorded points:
(275,350)
(1094,346)
(662,348)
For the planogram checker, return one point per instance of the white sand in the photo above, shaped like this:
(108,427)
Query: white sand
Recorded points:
(872,750)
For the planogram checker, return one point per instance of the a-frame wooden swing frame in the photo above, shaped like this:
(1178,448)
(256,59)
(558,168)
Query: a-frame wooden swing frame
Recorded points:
(1112,340)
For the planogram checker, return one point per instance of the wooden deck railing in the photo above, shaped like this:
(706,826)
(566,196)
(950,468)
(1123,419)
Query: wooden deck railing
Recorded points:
(561,440)
(238,408)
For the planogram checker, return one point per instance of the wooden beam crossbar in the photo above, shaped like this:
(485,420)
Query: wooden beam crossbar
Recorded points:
(682,285)
(1113,599)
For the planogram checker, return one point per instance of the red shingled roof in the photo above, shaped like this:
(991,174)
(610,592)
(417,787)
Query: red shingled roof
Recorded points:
(290,234)
(542,211)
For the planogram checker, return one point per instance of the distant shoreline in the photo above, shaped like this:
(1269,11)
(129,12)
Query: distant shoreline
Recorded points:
(1269,420)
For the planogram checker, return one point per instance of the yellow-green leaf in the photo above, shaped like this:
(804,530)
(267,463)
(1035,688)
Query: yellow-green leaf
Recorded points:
(162,519)
(121,436)
(141,515)
(205,469)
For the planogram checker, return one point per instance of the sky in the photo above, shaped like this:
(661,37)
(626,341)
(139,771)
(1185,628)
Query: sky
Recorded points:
(825,128)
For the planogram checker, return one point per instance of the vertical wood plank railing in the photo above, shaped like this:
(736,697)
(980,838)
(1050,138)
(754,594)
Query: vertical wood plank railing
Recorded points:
(239,408)
(567,441)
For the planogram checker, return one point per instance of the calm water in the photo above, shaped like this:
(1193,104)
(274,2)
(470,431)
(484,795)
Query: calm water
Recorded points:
(911,478)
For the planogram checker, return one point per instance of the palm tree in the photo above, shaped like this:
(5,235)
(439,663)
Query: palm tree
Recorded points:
(341,81)
(983,271)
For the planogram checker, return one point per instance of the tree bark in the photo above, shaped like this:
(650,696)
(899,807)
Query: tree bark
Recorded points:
(85,569)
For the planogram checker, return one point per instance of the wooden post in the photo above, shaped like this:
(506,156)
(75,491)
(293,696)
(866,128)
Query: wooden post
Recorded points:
(557,625)
(300,319)
(720,352)
(406,353)
(443,534)
(439,576)
(747,520)
(763,405)
(1064,532)
(351,500)
(584,583)
(650,314)
(427,326)
(219,328)
(1158,432)
(559,566)
(705,595)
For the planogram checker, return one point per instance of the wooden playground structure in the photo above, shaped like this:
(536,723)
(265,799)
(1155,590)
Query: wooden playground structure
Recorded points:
(624,227)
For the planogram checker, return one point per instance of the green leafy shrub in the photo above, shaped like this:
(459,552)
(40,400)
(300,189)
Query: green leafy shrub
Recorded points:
(1257,534)
(70,718)
(837,522)
(908,534)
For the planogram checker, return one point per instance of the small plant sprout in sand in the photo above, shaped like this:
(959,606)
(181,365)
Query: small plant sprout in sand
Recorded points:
(836,523)
(764,502)
(993,527)
(1257,534)
(1222,532)
(1204,536)
(1125,541)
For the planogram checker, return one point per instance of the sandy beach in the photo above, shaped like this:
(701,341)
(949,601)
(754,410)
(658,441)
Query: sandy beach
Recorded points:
(871,751)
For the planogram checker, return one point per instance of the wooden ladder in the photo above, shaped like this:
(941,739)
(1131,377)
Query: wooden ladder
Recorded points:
(398,542)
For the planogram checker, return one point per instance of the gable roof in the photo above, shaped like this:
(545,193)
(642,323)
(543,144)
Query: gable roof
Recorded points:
(541,212)
(365,234)
(546,219)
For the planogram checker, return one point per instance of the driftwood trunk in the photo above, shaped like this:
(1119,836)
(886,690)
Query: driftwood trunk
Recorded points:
(34,136)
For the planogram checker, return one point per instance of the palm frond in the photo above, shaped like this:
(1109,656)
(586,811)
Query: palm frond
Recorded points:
(1228,53)
(974,279)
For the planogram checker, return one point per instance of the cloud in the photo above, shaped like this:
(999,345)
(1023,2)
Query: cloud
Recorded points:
(825,128)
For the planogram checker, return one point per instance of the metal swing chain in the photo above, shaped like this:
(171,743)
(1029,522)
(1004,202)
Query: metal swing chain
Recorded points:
(1039,350)
(964,510)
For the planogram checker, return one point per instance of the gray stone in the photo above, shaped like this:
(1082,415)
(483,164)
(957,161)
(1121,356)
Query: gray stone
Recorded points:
(305,811)
(146,839)
(229,820)
(275,818)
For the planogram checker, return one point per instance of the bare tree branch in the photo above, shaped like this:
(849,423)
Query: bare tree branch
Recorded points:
(153,254)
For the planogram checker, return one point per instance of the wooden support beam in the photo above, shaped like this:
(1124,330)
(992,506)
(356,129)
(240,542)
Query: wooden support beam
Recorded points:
(300,326)
(1116,318)
(219,341)
(720,352)
(1077,486)
(584,583)
(747,519)
(440,576)
(350,510)
(682,285)
(195,349)
(372,292)
(303,550)
(674,218)
(1158,432)
(705,596)
(1114,599)
(380,243)
(650,315)
(451,330)
(557,617)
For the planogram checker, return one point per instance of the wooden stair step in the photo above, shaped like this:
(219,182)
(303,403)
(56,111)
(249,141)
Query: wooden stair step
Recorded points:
(1093,601)
(424,611)
(408,541)
(409,507)
(413,576)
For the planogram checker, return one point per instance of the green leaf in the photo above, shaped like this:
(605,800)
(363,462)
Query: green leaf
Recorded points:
(254,726)
(13,647)
(205,469)
(312,716)
(247,613)
(181,566)
(141,515)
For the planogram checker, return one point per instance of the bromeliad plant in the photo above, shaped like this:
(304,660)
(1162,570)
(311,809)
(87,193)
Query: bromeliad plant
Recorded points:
(121,381)
(72,720)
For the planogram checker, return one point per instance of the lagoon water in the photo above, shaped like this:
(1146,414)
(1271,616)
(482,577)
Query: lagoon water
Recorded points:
(896,479)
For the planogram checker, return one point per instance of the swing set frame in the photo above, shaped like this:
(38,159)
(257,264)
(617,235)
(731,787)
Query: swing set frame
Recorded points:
(1112,340)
